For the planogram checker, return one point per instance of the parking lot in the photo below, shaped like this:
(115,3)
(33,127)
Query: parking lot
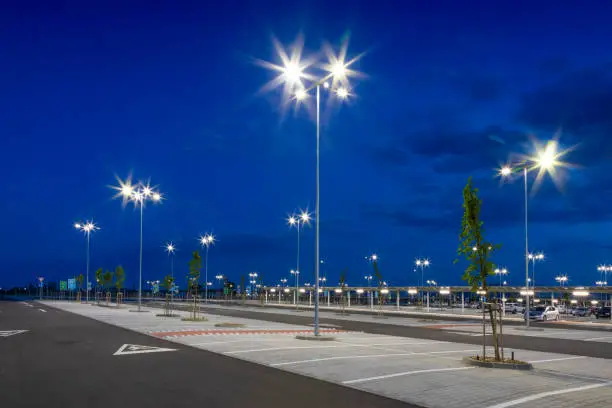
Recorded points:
(426,372)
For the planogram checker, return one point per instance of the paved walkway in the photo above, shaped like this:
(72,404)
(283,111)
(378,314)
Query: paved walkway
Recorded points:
(423,372)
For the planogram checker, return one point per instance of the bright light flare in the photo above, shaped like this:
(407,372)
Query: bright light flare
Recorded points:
(337,66)
(170,248)
(207,240)
(548,159)
(86,227)
(342,93)
(505,171)
(291,70)
(301,95)
(138,193)
(305,217)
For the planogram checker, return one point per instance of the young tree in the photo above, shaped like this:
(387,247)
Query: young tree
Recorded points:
(195,265)
(168,285)
(107,281)
(119,280)
(79,280)
(99,273)
(477,251)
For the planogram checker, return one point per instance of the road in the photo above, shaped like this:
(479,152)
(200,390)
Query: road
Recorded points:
(67,360)
(377,326)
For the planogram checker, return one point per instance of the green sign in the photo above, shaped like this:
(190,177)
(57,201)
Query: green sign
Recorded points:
(64,285)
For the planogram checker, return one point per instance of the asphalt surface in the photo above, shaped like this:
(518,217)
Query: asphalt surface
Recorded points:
(560,346)
(67,360)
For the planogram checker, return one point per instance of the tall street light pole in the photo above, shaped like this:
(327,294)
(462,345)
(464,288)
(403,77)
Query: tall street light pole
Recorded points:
(546,160)
(138,194)
(533,258)
(422,264)
(501,272)
(87,227)
(207,241)
(298,221)
(297,85)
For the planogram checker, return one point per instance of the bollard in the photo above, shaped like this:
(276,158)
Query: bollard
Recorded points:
(512,356)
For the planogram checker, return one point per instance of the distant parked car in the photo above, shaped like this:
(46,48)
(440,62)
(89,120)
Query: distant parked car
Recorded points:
(581,312)
(543,313)
(603,312)
(514,308)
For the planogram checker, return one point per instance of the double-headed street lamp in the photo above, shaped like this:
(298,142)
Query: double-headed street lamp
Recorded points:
(533,258)
(298,221)
(206,240)
(252,280)
(422,264)
(138,194)
(296,274)
(297,86)
(561,279)
(546,160)
(87,227)
(501,272)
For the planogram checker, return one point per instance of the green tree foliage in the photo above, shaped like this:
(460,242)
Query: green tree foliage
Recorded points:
(99,274)
(167,284)
(195,266)
(474,248)
(119,277)
(107,279)
(472,244)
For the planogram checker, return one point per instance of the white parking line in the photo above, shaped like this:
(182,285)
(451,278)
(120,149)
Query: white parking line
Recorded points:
(598,338)
(555,359)
(43,310)
(257,340)
(383,377)
(548,394)
(314,360)
(291,348)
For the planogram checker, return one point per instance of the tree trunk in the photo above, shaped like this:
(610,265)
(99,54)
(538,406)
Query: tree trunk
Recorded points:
(494,331)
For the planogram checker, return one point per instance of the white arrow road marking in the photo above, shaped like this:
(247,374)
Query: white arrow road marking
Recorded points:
(136,349)
(43,310)
(7,333)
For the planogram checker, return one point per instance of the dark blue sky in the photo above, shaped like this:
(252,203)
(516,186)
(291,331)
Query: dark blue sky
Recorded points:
(170,92)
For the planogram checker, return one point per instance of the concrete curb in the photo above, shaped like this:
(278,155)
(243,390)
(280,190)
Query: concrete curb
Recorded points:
(492,364)
(312,337)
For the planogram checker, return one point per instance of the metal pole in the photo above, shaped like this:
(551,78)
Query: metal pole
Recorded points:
(206,277)
(317,216)
(526,252)
(297,270)
(140,263)
(87,269)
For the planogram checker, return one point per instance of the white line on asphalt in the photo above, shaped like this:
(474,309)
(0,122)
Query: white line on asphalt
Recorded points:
(383,377)
(291,348)
(555,359)
(598,338)
(43,310)
(548,394)
(396,344)
(221,341)
(315,360)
